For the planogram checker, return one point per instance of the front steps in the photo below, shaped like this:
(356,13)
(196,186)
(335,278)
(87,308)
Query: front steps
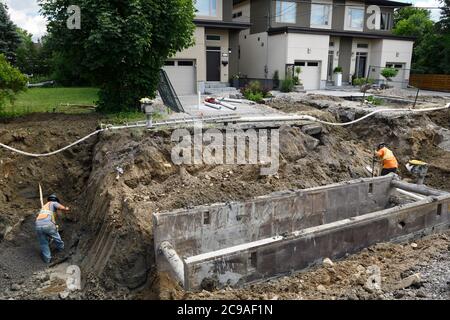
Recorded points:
(218,88)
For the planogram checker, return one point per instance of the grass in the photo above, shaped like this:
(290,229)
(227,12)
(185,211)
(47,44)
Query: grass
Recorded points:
(66,100)
(50,100)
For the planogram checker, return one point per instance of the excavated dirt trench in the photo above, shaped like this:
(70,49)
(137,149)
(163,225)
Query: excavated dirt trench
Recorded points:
(109,232)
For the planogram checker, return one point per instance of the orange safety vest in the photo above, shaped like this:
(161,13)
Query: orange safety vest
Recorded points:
(45,214)
(388,158)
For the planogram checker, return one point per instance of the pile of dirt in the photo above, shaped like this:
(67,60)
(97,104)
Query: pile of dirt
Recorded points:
(133,176)
(116,181)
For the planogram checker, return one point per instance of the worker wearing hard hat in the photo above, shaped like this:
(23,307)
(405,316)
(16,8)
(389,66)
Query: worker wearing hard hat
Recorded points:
(47,229)
(389,162)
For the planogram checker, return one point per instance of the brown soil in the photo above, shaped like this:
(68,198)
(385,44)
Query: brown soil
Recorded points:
(109,231)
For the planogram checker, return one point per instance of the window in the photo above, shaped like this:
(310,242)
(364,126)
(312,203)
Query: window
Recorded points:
(331,44)
(385,21)
(169,63)
(300,63)
(185,63)
(362,45)
(320,14)
(355,18)
(237,14)
(206,8)
(211,37)
(286,12)
(313,64)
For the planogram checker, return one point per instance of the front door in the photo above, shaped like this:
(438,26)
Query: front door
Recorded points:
(213,64)
(361,62)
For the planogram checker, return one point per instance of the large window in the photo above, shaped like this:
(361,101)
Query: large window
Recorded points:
(286,12)
(320,14)
(385,21)
(206,8)
(355,18)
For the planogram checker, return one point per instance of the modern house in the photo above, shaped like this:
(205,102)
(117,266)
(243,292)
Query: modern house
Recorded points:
(318,36)
(213,58)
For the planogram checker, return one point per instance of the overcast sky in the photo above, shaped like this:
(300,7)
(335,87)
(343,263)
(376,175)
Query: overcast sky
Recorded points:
(25,13)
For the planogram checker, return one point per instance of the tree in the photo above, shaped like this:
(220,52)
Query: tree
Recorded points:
(413,22)
(9,39)
(11,81)
(432,46)
(444,22)
(121,45)
(27,53)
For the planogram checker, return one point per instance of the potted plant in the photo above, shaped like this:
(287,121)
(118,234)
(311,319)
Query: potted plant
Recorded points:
(337,76)
(298,85)
(388,73)
(235,80)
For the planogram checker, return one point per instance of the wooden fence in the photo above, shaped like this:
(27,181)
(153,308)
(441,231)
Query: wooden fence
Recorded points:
(436,82)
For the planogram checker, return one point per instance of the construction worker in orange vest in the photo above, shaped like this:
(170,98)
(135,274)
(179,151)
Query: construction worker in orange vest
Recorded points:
(47,229)
(389,162)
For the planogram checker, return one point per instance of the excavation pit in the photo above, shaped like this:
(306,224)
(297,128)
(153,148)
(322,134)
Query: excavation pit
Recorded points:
(236,243)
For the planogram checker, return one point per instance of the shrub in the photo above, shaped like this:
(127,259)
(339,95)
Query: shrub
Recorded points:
(12,81)
(296,78)
(362,81)
(389,73)
(287,85)
(276,79)
(255,92)
(375,101)
(337,69)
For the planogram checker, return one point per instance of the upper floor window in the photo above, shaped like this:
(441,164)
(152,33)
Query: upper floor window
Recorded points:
(237,14)
(321,15)
(286,12)
(206,8)
(386,20)
(355,18)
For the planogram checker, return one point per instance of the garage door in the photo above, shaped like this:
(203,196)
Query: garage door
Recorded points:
(310,75)
(399,80)
(182,75)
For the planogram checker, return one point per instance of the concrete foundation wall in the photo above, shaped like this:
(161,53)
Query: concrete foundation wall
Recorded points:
(215,227)
(280,255)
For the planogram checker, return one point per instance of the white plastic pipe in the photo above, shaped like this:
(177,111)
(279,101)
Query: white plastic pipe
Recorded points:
(227,105)
(173,259)
(212,105)
(410,194)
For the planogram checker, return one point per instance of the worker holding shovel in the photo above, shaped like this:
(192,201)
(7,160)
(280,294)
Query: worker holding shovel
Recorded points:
(389,161)
(46,227)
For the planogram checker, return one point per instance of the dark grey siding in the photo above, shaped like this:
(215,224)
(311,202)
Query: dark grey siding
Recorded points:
(227,10)
(345,56)
(258,15)
(366,16)
(260,9)
(303,15)
(338,15)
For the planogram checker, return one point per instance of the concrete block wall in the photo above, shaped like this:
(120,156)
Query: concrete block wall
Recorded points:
(280,255)
(210,228)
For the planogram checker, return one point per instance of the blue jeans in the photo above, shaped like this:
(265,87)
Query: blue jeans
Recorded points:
(46,233)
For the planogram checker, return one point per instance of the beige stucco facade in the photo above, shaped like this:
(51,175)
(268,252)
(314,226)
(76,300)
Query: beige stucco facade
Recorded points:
(197,53)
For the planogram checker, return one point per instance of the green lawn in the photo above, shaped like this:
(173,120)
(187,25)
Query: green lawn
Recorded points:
(47,99)
(66,100)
